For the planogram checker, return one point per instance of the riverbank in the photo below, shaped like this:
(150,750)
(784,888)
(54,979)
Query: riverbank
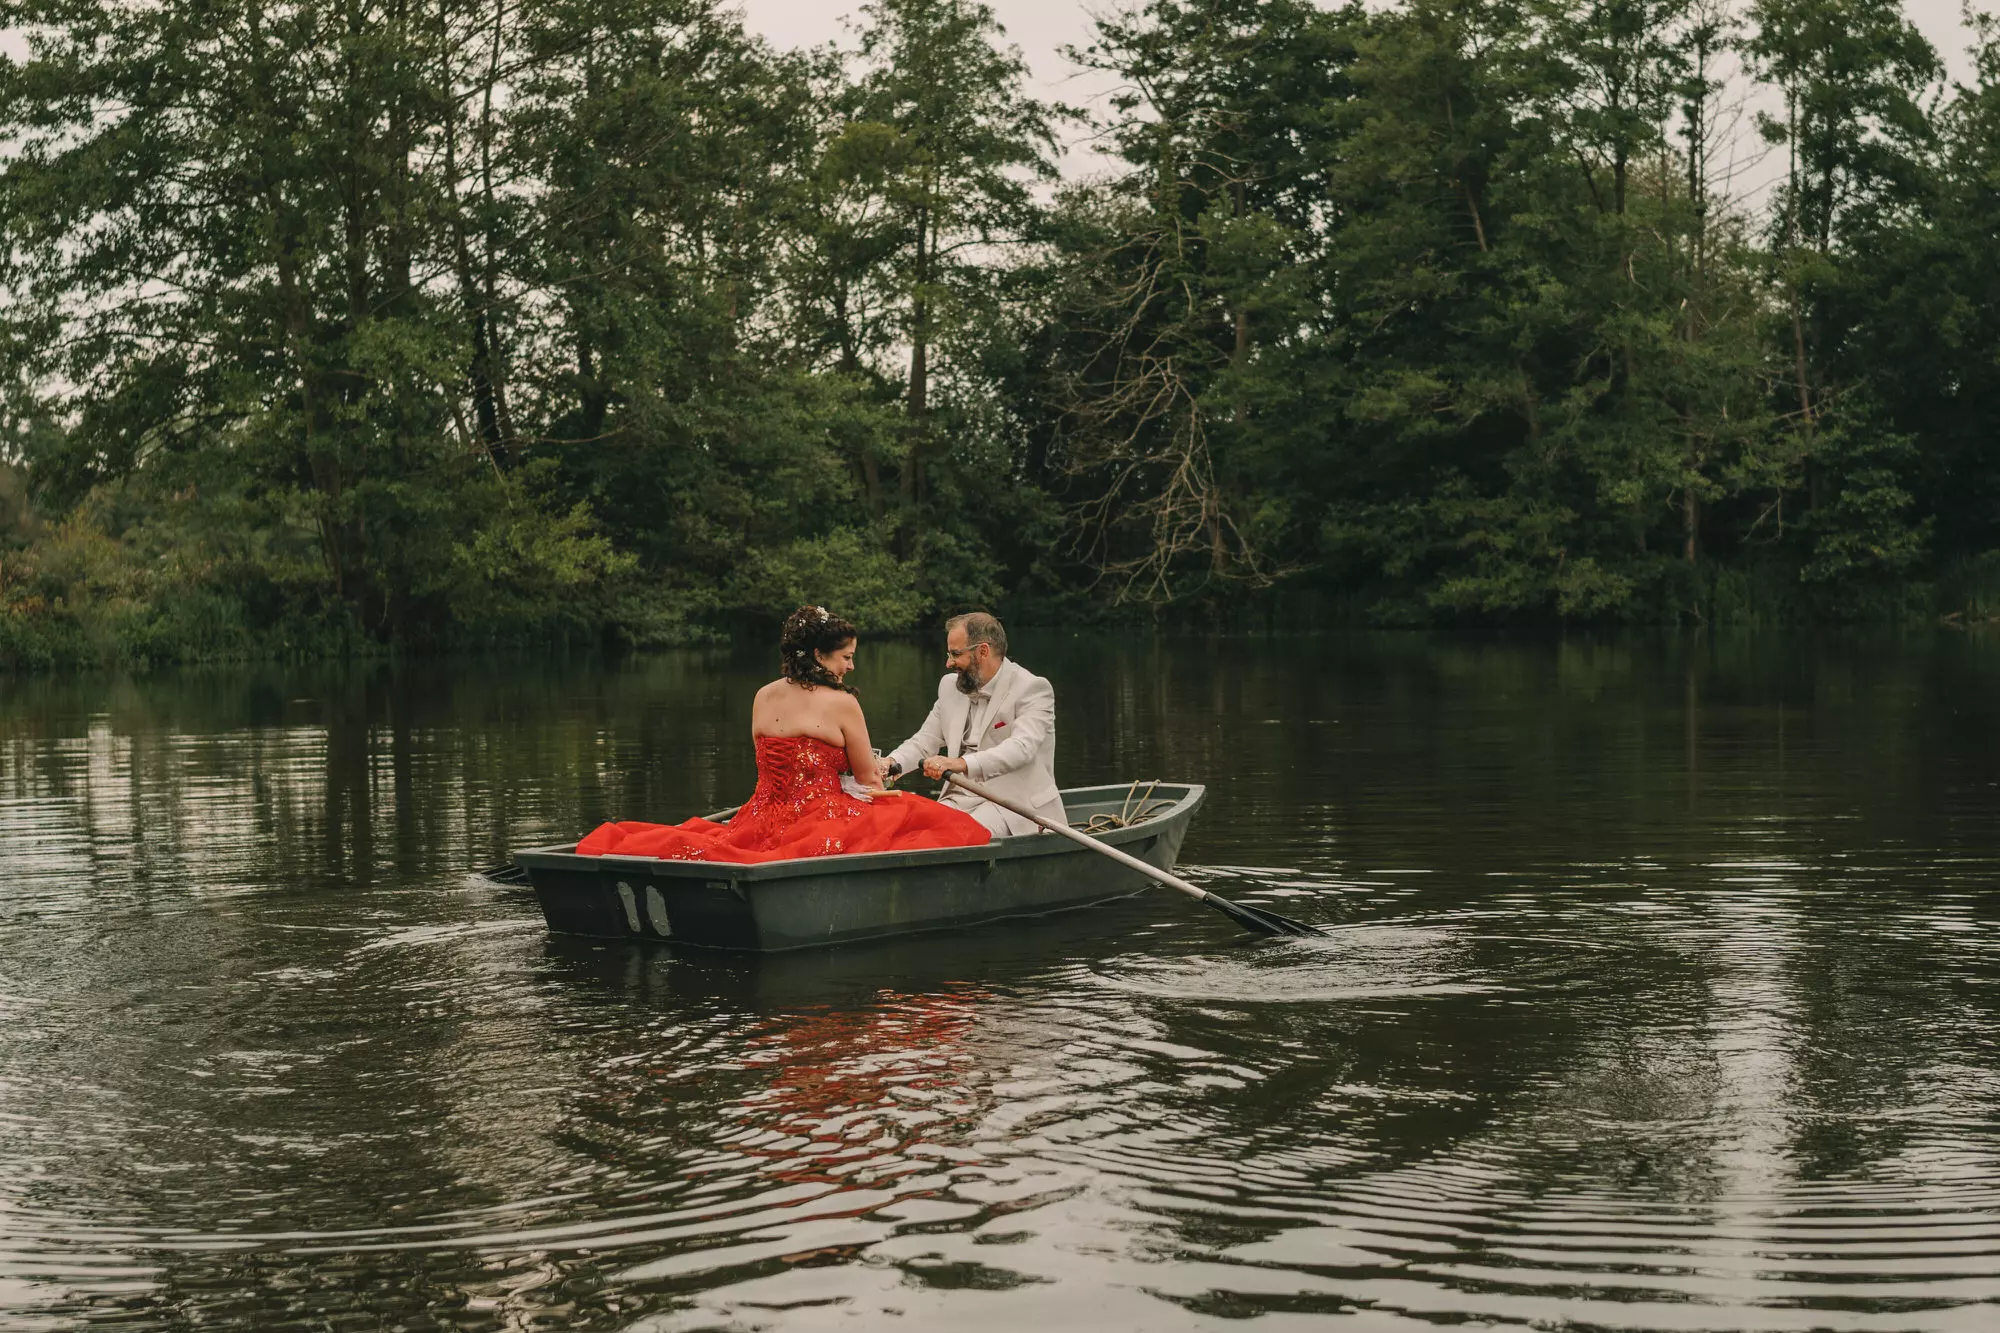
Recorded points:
(88,608)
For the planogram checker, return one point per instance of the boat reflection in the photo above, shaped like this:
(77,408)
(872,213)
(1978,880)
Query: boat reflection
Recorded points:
(1015,951)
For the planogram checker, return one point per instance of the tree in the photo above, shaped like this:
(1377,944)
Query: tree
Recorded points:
(225,226)
(335,322)
(1180,290)
(954,146)
(1857,138)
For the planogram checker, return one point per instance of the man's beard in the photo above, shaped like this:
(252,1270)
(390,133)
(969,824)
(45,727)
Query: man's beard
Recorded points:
(968,680)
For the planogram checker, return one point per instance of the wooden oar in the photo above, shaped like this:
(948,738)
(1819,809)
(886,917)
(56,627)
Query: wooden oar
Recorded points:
(1256,918)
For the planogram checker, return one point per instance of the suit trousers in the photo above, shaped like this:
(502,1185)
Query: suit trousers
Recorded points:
(1005,823)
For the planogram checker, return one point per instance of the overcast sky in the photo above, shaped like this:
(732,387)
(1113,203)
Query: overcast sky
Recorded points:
(1041,28)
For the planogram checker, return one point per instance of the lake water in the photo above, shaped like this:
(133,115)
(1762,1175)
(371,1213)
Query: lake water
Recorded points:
(1663,993)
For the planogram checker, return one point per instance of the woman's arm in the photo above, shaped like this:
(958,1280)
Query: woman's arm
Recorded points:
(860,755)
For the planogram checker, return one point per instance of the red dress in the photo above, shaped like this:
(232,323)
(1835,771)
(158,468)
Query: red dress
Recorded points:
(797,810)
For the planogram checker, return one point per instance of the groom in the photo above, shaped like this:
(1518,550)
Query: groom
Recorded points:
(996,722)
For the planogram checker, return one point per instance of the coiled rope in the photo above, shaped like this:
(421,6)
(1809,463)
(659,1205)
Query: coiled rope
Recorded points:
(1136,809)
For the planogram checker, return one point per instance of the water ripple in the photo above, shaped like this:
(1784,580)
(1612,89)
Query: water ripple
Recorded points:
(1635,1014)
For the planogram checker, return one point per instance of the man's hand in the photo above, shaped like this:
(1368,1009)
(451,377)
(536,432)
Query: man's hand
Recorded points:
(938,765)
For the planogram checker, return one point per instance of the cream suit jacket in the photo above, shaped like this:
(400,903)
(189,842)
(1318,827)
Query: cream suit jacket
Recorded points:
(1016,758)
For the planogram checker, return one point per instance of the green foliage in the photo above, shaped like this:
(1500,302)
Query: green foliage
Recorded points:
(332,328)
(530,563)
(79,596)
(1527,362)
(843,568)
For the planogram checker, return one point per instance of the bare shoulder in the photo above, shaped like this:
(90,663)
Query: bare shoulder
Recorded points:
(777,704)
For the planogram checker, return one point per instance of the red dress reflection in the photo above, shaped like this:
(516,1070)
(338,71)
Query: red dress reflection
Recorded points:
(797,810)
(850,1087)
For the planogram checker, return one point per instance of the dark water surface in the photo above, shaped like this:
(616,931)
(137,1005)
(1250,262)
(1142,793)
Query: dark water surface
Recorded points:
(1664,994)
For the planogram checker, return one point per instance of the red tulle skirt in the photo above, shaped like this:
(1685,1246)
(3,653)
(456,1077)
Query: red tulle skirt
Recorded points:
(798,810)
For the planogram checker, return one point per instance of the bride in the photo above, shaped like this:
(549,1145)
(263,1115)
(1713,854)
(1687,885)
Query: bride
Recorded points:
(808,729)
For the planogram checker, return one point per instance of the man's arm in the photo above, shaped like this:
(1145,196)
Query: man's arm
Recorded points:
(1034,719)
(928,741)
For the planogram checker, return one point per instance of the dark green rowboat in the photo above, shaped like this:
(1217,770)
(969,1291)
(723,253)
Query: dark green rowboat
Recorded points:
(829,899)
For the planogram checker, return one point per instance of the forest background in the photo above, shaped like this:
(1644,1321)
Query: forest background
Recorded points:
(335,325)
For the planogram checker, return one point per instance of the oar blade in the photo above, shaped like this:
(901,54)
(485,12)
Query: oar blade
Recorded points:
(1260,920)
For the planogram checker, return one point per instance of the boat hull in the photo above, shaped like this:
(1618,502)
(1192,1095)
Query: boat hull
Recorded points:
(802,904)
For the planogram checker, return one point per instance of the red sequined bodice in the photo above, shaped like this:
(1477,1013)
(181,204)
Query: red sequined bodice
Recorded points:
(798,809)
(798,778)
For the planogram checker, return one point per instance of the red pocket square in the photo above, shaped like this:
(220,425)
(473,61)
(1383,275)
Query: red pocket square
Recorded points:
(998,725)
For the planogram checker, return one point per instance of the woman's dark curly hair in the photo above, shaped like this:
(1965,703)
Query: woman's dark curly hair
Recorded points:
(808,631)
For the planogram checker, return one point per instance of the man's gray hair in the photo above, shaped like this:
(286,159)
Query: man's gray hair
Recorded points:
(980,628)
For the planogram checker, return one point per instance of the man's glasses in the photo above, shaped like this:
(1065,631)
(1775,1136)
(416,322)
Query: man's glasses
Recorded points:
(953,654)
